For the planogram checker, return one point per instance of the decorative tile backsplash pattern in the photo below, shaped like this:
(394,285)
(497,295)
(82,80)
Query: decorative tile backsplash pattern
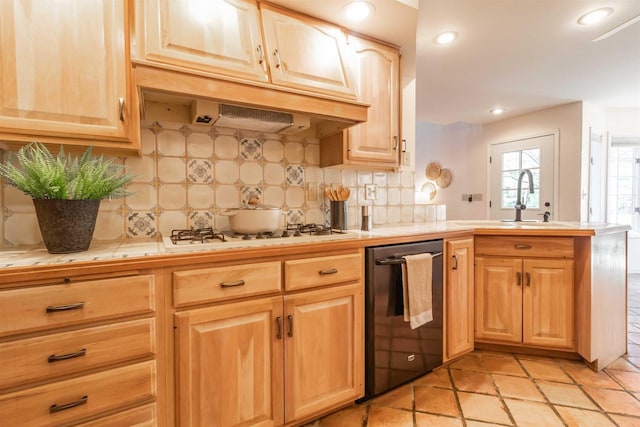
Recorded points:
(186,176)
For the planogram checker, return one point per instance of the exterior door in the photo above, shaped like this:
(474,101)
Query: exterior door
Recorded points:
(507,160)
(499,299)
(229,362)
(324,349)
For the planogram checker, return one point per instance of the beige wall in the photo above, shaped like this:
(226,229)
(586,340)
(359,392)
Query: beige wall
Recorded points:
(464,148)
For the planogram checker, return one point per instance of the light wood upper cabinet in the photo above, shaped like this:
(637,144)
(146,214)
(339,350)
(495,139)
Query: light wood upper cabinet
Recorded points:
(459,297)
(230,364)
(64,72)
(376,143)
(323,349)
(305,53)
(215,36)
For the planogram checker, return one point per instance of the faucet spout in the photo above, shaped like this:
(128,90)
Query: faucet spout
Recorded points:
(519,205)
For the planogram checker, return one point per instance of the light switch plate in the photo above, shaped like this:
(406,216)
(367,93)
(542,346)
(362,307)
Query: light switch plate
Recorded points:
(370,191)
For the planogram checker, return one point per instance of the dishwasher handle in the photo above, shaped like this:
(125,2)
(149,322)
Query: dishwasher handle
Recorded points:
(398,259)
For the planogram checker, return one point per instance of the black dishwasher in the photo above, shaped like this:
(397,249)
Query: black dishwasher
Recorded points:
(395,353)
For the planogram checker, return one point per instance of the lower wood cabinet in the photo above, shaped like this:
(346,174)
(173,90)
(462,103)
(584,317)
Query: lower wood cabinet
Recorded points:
(459,298)
(522,300)
(276,360)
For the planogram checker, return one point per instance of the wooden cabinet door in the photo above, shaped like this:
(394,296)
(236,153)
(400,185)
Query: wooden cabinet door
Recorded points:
(499,299)
(324,349)
(548,303)
(216,36)
(459,294)
(376,68)
(64,70)
(305,53)
(229,364)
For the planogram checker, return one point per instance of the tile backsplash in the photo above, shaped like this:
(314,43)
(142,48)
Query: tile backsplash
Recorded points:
(187,175)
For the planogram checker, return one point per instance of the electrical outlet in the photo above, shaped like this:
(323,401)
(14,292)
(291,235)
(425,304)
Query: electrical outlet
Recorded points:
(370,191)
(477,197)
(406,158)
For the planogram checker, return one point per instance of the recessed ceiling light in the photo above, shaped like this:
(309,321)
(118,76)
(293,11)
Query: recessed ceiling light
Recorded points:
(497,111)
(446,37)
(595,16)
(358,10)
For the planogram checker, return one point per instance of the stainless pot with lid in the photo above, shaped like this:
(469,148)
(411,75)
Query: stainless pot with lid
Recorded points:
(254,218)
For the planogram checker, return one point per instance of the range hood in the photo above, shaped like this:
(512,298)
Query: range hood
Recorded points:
(237,117)
(209,101)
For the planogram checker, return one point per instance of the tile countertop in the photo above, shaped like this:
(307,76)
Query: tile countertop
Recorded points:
(102,251)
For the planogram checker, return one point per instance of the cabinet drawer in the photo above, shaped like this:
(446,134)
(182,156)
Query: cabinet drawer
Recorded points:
(310,272)
(144,416)
(66,401)
(46,307)
(54,355)
(218,283)
(541,247)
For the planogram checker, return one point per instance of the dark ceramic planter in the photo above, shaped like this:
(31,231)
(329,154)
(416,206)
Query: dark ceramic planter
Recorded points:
(66,225)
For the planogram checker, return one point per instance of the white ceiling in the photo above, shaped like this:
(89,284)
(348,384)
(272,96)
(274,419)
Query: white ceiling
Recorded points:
(523,55)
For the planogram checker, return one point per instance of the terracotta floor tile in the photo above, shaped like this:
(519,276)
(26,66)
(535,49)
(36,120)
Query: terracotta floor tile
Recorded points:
(474,382)
(402,397)
(629,380)
(479,424)
(585,376)
(575,417)
(483,408)
(566,394)
(623,421)
(545,370)
(470,362)
(351,416)
(622,364)
(502,365)
(428,420)
(616,401)
(388,417)
(437,378)
(436,401)
(517,387)
(534,414)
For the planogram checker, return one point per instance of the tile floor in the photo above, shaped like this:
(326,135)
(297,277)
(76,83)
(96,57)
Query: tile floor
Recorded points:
(502,389)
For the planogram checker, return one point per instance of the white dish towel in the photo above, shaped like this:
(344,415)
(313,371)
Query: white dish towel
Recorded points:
(417,289)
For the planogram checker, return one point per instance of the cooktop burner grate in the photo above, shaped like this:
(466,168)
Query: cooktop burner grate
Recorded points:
(195,235)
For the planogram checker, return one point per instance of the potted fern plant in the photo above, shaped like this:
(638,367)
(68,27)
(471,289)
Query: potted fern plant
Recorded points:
(66,191)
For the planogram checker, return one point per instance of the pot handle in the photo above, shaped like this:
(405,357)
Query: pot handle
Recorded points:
(228,213)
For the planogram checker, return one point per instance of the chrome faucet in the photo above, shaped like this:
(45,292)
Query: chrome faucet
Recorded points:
(519,205)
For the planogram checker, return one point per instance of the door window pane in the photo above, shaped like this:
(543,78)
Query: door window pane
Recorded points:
(512,163)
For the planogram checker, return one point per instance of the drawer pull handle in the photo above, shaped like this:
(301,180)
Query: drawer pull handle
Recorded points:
(329,271)
(57,408)
(455,263)
(56,358)
(518,278)
(279,323)
(121,105)
(232,284)
(56,308)
(523,246)
(277,55)
(528,276)
(290,319)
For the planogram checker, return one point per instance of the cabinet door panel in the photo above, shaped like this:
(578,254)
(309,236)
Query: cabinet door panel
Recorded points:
(306,54)
(324,355)
(548,303)
(63,68)
(459,297)
(498,299)
(216,36)
(377,68)
(230,364)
